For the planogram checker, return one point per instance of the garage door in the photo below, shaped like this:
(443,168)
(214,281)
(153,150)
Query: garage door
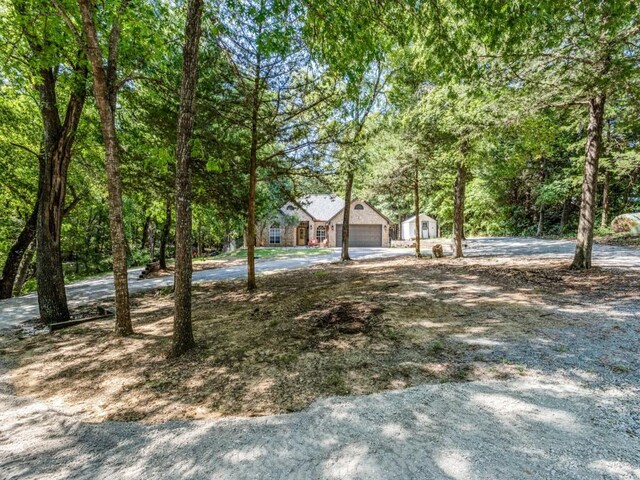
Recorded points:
(361,235)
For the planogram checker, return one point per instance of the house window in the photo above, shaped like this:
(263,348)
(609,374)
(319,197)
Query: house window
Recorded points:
(358,207)
(321,233)
(274,233)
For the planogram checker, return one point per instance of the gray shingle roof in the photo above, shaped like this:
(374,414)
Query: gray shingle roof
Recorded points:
(322,207)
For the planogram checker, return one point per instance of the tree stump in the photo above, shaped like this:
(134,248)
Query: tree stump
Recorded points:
(149,270)
(437,250)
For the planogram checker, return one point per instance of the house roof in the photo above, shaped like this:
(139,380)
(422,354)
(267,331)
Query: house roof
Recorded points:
(358,200)
(322,207)
(413,217)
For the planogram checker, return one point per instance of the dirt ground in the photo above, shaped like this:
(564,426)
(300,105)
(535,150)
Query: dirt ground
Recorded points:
(327,330)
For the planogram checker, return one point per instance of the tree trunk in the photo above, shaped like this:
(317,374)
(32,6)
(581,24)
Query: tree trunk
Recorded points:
(253,180)
(164,239)
(145,232)
(200,240)
(540,219)
(344,256)
(54,165)
(458,209)
(152,242)
(104,93)
(543,176)
(25,265)
(584,240)
(17,254)
(564,217)
(182,328)
(416,199)
(604,221)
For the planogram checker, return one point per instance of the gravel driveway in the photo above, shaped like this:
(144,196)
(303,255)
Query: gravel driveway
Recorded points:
(19,309)
(575,414)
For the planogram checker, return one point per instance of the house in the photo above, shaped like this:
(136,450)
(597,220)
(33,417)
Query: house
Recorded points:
(317,220)
(428,227)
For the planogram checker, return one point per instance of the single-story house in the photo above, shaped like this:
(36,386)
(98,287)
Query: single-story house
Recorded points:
(428,227)
(317,220)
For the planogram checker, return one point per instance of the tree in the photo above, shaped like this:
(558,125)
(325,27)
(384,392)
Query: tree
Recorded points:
(453,120)
(105,91)
(359,99)
(41,39)
(398,170)
(182,328)
(164,236)
(277,98)
(568,54)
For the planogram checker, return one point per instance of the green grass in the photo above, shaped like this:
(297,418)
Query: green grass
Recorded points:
(277,252)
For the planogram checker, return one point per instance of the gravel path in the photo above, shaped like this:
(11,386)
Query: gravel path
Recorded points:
(535,427)
(573,414)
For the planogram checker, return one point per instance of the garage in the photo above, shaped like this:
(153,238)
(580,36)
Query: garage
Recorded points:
(361,235)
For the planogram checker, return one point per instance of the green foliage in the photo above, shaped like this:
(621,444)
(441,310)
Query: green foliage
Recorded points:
(377,89)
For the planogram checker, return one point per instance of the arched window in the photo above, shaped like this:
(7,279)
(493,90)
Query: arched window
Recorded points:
(290,207)
(274,233)
(358,207)
(321,233)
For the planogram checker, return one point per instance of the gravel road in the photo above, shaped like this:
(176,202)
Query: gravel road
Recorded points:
(575,414)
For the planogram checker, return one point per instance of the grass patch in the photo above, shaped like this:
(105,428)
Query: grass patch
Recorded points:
(277,252)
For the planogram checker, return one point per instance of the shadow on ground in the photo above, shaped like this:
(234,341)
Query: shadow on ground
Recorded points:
(564,345)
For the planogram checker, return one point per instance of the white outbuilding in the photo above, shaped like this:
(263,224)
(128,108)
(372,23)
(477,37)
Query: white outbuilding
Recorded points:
(428,227)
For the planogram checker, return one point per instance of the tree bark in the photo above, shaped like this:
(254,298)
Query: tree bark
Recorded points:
(584,240)
(416,199)
(164,239)
(200,240)
(539,230)
(17,253)
(564,217)
(104,93)
(458,209)
(25,265)
(183,340)
(152,242)
(344,256)
(543,176)
(54,165)
(253,180)
(604,220)
(145,232)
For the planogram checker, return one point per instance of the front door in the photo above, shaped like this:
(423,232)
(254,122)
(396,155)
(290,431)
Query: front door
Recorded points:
(301,236)
(425,229)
